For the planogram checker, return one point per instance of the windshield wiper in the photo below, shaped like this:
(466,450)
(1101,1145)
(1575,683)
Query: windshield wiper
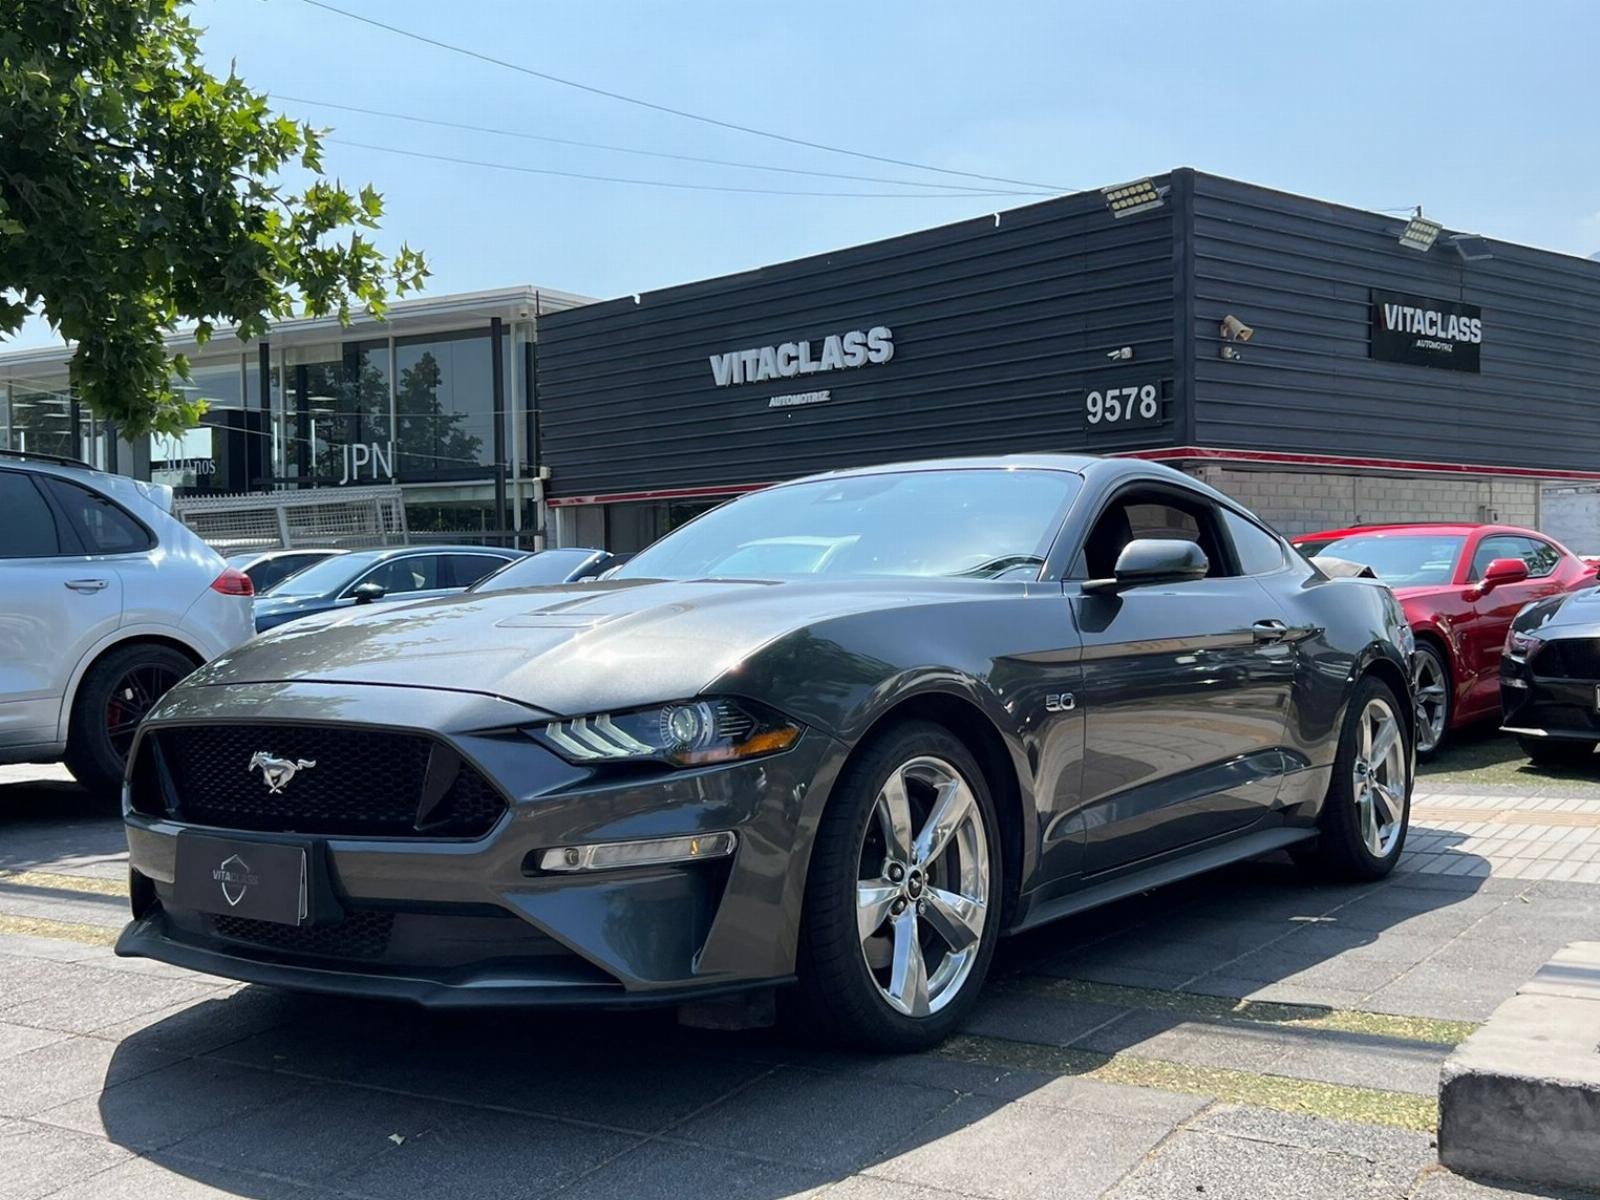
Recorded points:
(999,566)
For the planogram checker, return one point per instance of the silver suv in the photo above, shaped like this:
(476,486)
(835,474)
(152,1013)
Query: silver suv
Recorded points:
(106,601)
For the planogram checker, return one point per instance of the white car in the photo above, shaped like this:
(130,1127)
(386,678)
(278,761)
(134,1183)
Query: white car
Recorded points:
(106,601)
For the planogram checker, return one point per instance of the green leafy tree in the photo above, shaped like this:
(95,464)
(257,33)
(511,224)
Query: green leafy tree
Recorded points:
(139,191)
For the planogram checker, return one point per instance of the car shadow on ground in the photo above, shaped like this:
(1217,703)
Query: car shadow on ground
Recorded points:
(53,820)
(392,1100)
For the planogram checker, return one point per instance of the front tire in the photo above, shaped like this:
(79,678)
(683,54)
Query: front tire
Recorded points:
(903,898)
(1368,806)
(112,699)
(1430,692)
(1557,752)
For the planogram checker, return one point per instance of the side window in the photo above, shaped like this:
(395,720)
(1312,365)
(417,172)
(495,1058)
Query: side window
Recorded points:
(464,570)
(1502,546)
(104,527)
(29,528)
(416,573)
(1258,552)
(1159,515)
(1542,558)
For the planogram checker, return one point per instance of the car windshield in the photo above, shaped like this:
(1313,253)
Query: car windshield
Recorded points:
(323,577)
(536,570)
(1399,559)
(979,523)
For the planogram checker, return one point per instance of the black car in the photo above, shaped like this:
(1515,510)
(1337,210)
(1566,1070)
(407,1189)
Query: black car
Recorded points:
(987,693)
(1550,678)
(370,576)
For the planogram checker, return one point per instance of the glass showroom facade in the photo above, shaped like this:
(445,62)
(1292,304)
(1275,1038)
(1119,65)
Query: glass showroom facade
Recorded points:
(425,400)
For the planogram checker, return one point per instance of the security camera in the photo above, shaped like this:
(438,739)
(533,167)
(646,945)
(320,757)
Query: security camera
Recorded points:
(524,313)
(1235,330)
(1121,352)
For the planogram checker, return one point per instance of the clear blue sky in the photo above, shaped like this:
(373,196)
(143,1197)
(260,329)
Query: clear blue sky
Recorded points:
(1479,110)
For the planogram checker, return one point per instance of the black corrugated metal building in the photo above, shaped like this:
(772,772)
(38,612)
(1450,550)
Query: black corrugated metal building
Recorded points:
(1375,382)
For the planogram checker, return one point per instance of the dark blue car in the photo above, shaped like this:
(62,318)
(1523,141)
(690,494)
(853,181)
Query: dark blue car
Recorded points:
(376,576)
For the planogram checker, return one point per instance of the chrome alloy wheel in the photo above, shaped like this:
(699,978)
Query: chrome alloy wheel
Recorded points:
(1380,777)
(923,886)
(1428,693)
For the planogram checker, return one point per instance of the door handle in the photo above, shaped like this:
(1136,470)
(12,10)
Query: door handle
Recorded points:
(87,585)
(1269,631)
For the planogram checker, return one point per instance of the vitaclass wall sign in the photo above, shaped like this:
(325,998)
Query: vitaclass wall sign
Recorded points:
(836,352)
(1426,332)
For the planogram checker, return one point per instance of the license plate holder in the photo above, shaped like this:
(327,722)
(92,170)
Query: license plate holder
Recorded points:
(237,877)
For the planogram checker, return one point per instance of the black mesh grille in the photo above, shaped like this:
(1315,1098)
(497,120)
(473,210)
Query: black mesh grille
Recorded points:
(365,783)
(1568,658)
(362,934)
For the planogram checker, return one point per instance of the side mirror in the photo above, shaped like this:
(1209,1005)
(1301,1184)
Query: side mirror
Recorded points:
(1154,560)
(366,593)
(1500,572)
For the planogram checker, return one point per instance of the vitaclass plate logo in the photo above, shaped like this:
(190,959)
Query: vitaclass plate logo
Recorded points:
(236,878)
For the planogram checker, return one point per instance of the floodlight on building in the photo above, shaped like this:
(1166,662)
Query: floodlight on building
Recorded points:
(1420,233)
(1471,247)
(1125,199)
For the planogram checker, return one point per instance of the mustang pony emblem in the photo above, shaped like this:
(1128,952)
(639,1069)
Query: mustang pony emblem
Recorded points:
(277,772)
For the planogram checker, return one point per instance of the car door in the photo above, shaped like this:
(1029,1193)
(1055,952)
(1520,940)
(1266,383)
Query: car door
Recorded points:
(1185,689)
(56,603)
(1485,635)
(156,588)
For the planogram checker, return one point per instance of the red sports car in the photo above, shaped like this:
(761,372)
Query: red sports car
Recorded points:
(1460,586)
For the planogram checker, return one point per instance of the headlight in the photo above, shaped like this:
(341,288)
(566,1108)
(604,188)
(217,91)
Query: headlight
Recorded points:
(690,733)
(1520,645)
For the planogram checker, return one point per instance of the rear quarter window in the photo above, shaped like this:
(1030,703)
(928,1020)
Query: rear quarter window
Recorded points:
(103,525)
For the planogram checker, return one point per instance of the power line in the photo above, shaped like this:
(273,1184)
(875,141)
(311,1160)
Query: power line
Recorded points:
(692,187)
(559,141)
(663,108)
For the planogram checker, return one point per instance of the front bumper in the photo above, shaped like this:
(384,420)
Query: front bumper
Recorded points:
(474,922)
(1536,705)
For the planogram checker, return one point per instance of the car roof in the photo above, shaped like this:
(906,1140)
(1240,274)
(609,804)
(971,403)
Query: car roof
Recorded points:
(1075,463)
(1419,528)
(380,553)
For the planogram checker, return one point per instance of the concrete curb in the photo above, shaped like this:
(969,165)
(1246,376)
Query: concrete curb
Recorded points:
(1520,1098)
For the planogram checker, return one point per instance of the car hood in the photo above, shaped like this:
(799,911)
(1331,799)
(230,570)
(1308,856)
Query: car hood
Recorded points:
(1571,614)
(565,650)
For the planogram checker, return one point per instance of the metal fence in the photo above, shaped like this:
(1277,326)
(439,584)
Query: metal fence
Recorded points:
(346,517)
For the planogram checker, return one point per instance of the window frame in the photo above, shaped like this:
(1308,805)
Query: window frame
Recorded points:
(448,561)
(67,520)
(366,576)
(1287,557)
(68,544)
(1474,575)
(1153,489)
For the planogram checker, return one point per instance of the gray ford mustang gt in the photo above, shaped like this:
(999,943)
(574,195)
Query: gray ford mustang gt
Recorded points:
(842,733)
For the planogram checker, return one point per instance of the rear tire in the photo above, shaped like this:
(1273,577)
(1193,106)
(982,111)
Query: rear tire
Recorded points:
(112,699)
(1368,807)
(1557,752)
(879,966)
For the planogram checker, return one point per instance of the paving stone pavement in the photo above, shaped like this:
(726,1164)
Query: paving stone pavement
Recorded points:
(1250,1034)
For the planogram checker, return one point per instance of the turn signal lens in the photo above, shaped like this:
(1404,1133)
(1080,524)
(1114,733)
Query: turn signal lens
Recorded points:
(690,733)
(233,582)
(651,852)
